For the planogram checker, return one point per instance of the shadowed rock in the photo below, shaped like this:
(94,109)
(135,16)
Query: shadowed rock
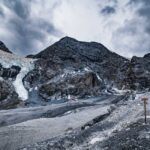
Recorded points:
(4,48)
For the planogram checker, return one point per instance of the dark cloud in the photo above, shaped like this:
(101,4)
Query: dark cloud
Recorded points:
(127,34)
(47,26)
(28,26)
(21,8)
(145,9)
(28,31)
(144,12)
(108,10)
(1,12)
(25,35)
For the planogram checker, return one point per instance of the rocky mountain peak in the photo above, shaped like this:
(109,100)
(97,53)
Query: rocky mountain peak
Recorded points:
(73,43)
(67,39)
(4,48)
(147,56)
(79,50)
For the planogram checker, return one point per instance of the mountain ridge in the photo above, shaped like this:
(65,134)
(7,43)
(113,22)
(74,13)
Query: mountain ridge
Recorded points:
(69,65)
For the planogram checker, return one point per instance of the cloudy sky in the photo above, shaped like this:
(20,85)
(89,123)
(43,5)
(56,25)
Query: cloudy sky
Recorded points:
(29,26)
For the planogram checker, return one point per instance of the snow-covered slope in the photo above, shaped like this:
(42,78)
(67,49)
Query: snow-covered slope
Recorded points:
(8,60)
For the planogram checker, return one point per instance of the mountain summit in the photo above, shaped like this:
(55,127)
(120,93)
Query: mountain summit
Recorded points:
(70,47)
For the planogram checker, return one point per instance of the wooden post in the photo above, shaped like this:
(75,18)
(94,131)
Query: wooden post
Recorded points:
(145,99)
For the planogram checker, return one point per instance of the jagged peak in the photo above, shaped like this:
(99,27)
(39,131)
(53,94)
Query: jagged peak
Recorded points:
(147,56)
(66,44)
(67,38)
(4,48)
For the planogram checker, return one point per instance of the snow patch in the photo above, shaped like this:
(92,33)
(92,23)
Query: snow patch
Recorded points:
(97,139)
(69,96)
(87,69)
(98,77)
(119,91)
(1,79)
(36,88)
(31,89)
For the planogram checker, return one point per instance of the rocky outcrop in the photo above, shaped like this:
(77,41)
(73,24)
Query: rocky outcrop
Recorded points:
(8,96)
(11,72)
(141,68)
(4,48)
(137,74)
(72,85)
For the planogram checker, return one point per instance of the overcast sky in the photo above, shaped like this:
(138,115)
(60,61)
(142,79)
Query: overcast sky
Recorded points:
(29,26)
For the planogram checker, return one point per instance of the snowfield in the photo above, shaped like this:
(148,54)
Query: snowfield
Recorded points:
(7,60)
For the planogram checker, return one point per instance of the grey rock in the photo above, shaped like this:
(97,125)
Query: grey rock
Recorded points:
(8,96)
(9,72)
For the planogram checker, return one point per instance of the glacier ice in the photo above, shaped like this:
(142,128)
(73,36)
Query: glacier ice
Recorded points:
(7,60)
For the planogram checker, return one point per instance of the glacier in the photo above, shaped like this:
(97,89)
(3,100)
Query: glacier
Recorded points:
(8,60)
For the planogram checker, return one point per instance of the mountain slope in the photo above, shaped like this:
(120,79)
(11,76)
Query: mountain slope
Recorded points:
(71,68)
(71,52)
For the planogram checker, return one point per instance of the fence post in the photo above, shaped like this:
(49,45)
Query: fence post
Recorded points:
(145,99)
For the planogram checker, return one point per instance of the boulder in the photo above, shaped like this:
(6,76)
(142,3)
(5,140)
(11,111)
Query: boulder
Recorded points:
(8,96)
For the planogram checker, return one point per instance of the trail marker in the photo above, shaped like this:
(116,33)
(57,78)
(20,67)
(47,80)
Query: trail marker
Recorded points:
(145,99)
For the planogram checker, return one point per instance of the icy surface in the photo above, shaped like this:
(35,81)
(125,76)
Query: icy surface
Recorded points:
(7,60)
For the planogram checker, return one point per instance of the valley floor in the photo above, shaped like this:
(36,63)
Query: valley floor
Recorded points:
(107,122)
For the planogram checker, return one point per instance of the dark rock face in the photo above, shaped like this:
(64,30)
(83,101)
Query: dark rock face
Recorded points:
(135,74)
(78,85)
(139,72)
(55,64)
(70,52)
(9,72)
(4,48)
(8,96)
(58,66)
